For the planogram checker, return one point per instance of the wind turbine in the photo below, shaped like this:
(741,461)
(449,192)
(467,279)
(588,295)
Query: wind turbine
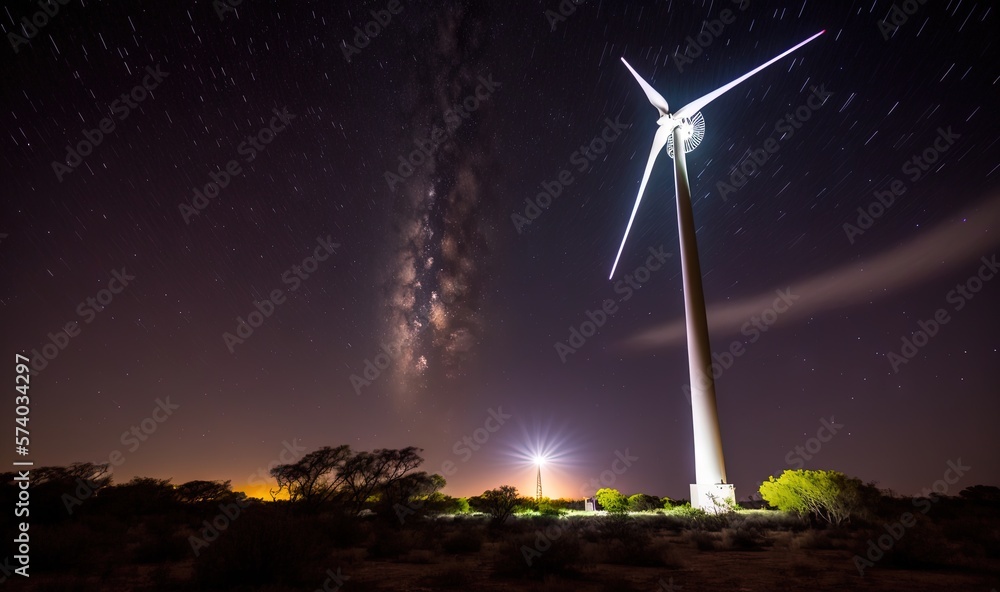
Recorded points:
(685,128)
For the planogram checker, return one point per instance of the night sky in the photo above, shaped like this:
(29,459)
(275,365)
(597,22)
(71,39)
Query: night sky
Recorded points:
(393,297)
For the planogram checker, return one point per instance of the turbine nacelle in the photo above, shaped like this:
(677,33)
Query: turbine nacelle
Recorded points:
(692,131)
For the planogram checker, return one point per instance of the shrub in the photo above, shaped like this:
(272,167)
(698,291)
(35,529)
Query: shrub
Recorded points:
(465,540)
(259,549)
(632,546)
(567,504)
(547,509)
(160,542)
(389,545)
(684,509)
(920,547)
(498,503)
(457,577)
(612,500)
(641,502)
(62,548)
(828,495)
(812,539)
(744,536)
(704,541)
(524,556)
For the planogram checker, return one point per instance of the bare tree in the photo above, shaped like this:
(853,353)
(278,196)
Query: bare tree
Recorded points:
(499,503)
(194,492)
(370,473)
(315,478)
(352,478)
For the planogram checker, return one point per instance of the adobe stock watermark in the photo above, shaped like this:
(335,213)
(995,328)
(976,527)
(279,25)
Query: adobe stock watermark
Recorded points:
(249,149)
(290,453)
(797,456)
(334,580)
(122,107)
(211,530)
(47,10)
(453,118)
(363,35)
(581,159)
(752,330)
(622,463)
(877,548)
(546,537)
(958,298)
(784,129)
(463,449)
(88,310)
(566,9)
(827,430)
(7,569)
(468,444)
(133,439)
(374,368)
(578,335)
(898,16)
(293,277)
(225,6)
(389,354)
(710,31)
(915,168)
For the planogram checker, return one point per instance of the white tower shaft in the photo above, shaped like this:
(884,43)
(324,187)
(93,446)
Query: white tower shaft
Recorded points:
(710,466)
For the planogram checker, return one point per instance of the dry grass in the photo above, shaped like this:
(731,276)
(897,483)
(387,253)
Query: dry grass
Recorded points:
(266,552)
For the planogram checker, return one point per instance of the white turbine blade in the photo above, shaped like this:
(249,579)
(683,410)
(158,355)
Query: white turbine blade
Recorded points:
(654,97)
(659,141)
(699,104)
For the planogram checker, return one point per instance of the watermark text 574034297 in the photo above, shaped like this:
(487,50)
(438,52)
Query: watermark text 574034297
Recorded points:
(22,441)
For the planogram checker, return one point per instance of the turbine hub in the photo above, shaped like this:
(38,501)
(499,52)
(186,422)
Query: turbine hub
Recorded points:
(692,132)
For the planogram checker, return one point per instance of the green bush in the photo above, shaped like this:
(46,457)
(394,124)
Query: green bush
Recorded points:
(641,502)
(612,500)
(827,495)
(546,508)
(684,509)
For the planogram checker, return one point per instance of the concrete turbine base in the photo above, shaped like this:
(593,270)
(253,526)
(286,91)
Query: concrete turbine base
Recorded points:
(713,497)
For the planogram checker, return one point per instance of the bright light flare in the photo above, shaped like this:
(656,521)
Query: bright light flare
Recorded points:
(540,443)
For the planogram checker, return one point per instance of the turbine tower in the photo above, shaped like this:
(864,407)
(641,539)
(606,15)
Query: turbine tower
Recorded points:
(539,461)
(681,132)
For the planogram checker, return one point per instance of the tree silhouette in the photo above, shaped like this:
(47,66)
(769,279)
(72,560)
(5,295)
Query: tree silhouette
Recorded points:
(498,503)
(196,492)
(353,479)
(314,479)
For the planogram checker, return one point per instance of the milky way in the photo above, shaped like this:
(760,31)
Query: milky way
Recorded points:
(434,291)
